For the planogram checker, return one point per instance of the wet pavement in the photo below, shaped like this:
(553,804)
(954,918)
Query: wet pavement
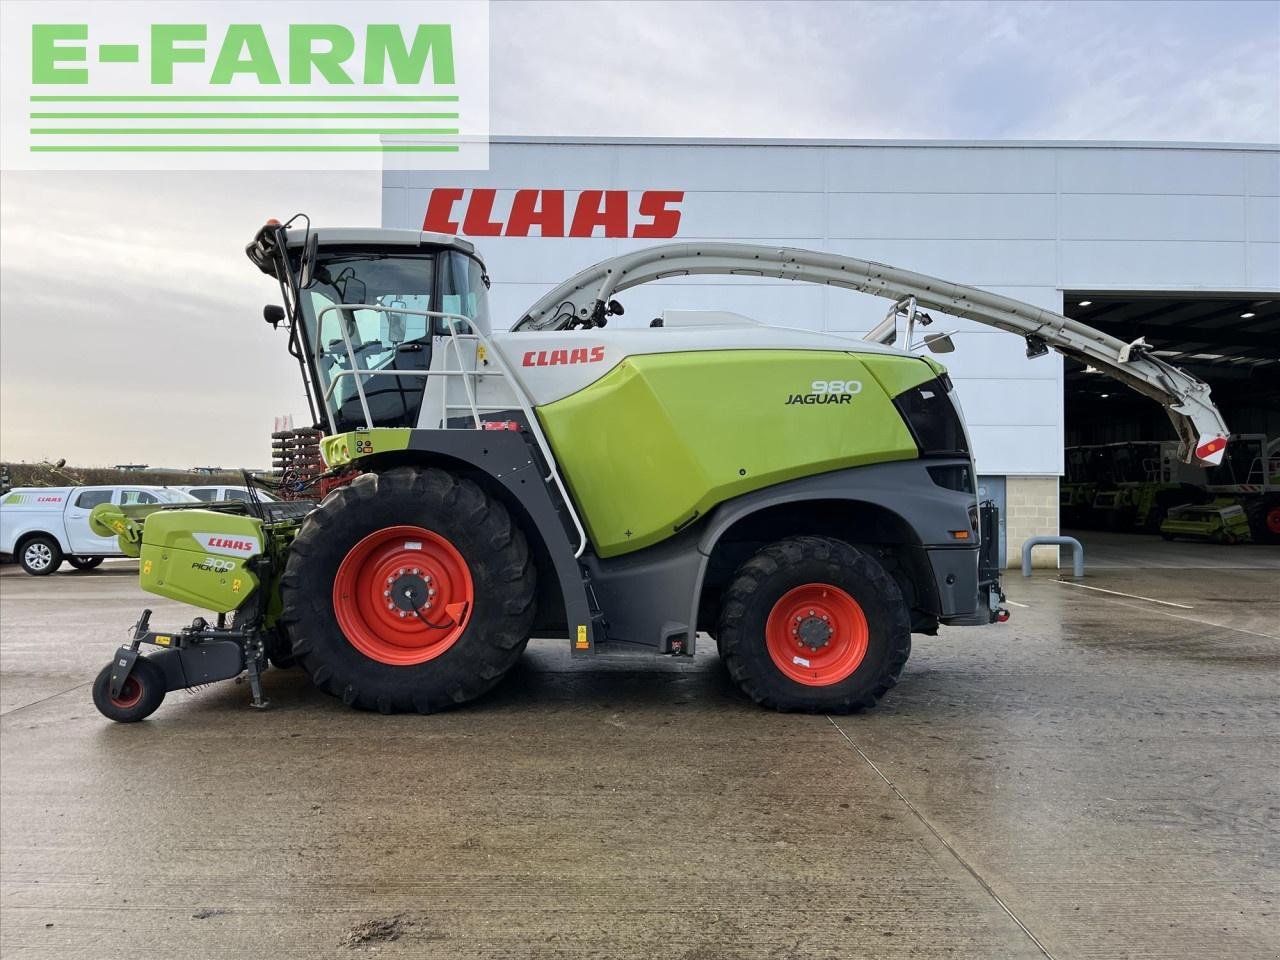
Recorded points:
(1096,778)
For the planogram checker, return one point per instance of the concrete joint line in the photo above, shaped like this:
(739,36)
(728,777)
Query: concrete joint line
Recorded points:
(942,840)
(53,696)
(1131,596)
(1176,616)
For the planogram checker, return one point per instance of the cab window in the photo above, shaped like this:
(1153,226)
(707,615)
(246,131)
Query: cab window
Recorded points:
(462,291)
(91,498)
(381,338)
(134,497)
(206,494)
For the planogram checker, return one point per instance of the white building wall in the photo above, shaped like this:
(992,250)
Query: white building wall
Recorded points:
(1026,220)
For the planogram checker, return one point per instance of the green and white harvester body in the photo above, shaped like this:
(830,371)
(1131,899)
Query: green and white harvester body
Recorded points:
(805,499)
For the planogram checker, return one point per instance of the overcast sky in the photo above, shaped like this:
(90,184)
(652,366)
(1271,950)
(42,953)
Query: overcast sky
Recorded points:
(129,327)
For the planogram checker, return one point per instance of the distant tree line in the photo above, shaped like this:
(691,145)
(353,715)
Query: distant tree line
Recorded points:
(47,475)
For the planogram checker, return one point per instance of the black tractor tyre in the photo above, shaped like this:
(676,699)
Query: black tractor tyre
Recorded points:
(1264,519)
(276,641)
(478,528)
(141,694)
(39,555)
(770,576)
(85,563)
(280,650)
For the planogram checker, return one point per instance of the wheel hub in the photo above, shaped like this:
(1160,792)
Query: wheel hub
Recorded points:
(813,631)
(409,591)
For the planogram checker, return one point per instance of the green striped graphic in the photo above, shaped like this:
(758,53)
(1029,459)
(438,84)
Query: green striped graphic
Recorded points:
(98,115)
(237,131)
(319,113)
(224,98)
(242,148)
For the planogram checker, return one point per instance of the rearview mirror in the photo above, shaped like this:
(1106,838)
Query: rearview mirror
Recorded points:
(307,268)
(273,313)
(939,343)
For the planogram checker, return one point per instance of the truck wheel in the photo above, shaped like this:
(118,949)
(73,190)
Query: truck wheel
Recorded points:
(408,590)
(141,694)
(814,624)
(40,555)
(84,563)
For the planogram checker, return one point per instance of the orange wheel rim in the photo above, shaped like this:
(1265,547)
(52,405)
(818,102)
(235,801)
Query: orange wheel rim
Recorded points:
(130,693)
(816,634)
(403,595)
(1273,520)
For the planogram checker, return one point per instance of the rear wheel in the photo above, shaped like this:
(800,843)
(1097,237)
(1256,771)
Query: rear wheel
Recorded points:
(84,563)
(40,555)
(814,624)
(408,590)
(142,692)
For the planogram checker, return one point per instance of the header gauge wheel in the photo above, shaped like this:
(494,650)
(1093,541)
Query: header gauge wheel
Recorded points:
(814,624)
(408,590)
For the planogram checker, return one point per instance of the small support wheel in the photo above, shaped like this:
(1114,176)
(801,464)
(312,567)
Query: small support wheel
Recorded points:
(141,694)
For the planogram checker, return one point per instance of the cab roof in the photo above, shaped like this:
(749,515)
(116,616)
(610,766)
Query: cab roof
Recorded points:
(381,237)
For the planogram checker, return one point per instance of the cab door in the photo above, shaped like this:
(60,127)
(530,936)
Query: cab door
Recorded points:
(83,541)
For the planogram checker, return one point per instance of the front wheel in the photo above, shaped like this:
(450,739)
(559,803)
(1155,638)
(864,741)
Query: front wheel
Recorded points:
(813,624)
(408,590)
(143,691)
(85,563)
(40,556)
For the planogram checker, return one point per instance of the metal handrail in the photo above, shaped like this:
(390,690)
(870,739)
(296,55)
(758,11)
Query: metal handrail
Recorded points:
(503,371)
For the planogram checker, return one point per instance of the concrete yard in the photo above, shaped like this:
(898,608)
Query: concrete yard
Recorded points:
(1096,778)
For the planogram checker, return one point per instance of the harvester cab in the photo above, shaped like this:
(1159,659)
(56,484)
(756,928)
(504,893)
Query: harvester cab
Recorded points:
(382,322)
(806,500)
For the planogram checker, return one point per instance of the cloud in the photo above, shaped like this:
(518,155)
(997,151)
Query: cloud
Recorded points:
(130,320)
(1129,71)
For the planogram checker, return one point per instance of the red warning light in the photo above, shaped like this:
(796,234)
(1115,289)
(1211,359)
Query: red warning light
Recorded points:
(1206,450)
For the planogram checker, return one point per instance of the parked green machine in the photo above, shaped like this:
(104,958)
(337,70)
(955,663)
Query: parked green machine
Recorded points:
(807,500)
(1250,477)
(1219,521)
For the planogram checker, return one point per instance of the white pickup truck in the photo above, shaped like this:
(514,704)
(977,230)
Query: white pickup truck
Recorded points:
(42,526)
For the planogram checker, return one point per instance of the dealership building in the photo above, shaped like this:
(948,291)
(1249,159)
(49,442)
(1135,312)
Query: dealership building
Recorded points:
(1176,243)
